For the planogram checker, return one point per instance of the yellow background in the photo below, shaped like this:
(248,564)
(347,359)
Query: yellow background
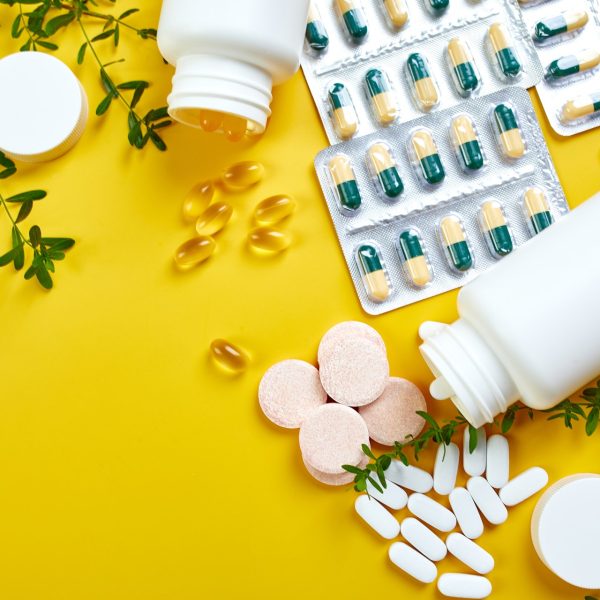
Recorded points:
(129,467)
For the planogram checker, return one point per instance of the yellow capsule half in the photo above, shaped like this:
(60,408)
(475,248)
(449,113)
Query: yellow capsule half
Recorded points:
(397,12)
(580,107)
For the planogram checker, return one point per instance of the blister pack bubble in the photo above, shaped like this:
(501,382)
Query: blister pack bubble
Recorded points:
(571,102)
(372,223)
(338,60)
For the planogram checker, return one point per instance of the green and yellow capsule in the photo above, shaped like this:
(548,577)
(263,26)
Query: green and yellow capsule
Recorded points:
(462,63)
(427,155)
(495,228)
(437,7)
(509,133)
(354,19)
(580,107)
(397,12)
(344,180)
(455,243)
(383,165)
(383,99)
(424,87)
(505,54)
(413,257)
(343,114)
(565,66)
(466,141)
(373,274)
(571,20)
(537,209)
(316,34)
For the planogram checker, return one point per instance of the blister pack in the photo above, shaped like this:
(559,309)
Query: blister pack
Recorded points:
(373,63)
(423,207)
(566,34)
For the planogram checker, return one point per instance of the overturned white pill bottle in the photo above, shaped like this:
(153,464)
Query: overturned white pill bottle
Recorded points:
(227,56)
(529,329)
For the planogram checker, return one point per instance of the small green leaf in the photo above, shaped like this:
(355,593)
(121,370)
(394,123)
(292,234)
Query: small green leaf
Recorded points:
(104,105)
(366,450)
(81,53)
(592,421)
(507,421)
(472,439)
(7,258)
(35,236)
(24,211)
(19,255)
(58,244)
(128,13)
(157,140)
(54,24)
(352,469)
(104,35)
(360,486)
(30,196)
(47,45)
(375,485)
(44,277)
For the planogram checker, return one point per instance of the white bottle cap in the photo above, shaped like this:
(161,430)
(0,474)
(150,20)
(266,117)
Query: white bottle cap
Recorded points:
(43,107)
(565,528)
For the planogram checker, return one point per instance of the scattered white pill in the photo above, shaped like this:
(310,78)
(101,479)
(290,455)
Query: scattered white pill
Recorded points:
(393,496)
(412,562)
(423,539)
(377,517)
(461,585)
(446,468)
(474,462)
(524,486)
(432,512)
(466,512)
(470,553)
(409,477)
(497,461)
(487,500)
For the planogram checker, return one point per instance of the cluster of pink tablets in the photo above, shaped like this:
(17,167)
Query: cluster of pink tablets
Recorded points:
(347,400)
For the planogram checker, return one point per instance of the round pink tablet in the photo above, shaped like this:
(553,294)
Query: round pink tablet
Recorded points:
(289,391)
(336,478)
(331,436)
(345,329)
(392,417)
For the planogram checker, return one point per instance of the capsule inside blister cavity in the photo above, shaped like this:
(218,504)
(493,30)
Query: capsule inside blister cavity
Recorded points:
(426,156)
(382,165)
(354,19)
(565,66)
(383,99)
(373,272)
(436,7)
(344,180)
(466,142)
(495,228)
(462,66)
(424,87)
(566,22)
(455,243)
(396,12)
(510,137)
(343,114)
(316,34)
(537,210)
(414,259)
(505,55)
(580,107)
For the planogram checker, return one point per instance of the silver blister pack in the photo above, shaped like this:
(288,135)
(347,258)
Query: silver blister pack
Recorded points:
(379,222)
(387,49)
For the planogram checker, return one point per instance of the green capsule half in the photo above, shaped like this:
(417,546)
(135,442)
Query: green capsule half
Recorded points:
(384,166)
(437,6)
(354,19)
(316,34)
(427,155)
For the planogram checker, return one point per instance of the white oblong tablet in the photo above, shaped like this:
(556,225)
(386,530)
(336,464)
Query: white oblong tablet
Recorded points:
(466,512)
(423,539)
(470,553)
(497,461)
(409,477)
(461,585)
(474,462)
(432,512)
(393,496)
(523,486)
(412,562)
(377,517)
(487,501)
(445,469)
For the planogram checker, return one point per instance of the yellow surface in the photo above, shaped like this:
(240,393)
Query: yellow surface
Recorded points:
(129,467)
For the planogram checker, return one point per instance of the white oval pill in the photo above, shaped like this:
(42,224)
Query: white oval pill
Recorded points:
(423,539)
(393,496)
(409,477)
(377,517)
(487,500)
(412,562)
(497,461)
(445,469)
(432,512)
(470,553)
(474,462)
(523,486)
(466,512)
(461,585)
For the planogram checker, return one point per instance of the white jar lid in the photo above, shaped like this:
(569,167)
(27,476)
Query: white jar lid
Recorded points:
(565,528)
(43,107)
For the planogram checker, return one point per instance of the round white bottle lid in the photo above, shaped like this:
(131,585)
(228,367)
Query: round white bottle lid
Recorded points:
(565,528)
(43,107)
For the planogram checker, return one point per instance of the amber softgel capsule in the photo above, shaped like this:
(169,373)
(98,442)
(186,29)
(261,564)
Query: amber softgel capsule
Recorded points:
(197,200)
(243,175)
(274,209)
(228,356)
(214,218)
(268,239)
(194,251)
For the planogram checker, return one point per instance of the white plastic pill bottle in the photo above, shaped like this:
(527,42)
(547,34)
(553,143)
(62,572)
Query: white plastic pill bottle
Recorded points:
(227,57)
(529,328)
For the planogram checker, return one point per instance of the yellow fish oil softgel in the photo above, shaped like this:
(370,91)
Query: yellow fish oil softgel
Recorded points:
(554,26)
(424,88)
(495,228)
(426,158)
(580,108)
(197,200)
(572,64)
(537,210)
(414,258)
(228,356)
(274,209)
(456,245)
(214,218)
(382,165)
(510,137)
(373,273)
(354,19)
(343,113)
(243,175)
(504,54)
(269,240)
(344,181)
(462,66)
(193,252)
(383,98)
(466,143)
(396,12)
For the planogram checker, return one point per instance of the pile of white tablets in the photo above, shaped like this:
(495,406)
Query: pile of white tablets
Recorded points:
(347,400)
(486,496)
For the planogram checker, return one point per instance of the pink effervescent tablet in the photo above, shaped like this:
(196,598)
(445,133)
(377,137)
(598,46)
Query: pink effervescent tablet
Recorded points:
(335,478)
(392,417)
(345,329)
(332,436)
(289,391)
